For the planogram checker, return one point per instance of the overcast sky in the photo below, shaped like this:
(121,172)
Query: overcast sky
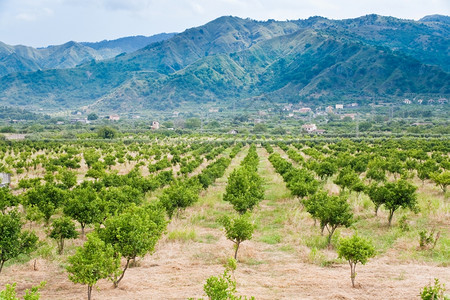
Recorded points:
(50,22)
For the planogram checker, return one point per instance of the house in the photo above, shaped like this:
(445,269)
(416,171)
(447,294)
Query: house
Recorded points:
(155,125)
(309,127)
(213,110)
(353,104)
(421,124)
(407,101)
(329,109)
(5,179)
(420,101)
(304,110)
(339,106)
(320,131)
(80,120)
(60,123)
(233,131)
(175,114)
(442,101)
(114,118)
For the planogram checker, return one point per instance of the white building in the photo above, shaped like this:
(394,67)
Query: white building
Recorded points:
(155,125)
(309,127)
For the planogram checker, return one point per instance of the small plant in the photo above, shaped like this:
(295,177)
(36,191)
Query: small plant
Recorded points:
(428,240)
(434,292)
(355,250)
(9,293)
(403,223)
(237,230)
(223,287)
(63,228)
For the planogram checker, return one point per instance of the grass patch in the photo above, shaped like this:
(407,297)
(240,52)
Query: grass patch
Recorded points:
(208,238)
(182,235)
(271,239)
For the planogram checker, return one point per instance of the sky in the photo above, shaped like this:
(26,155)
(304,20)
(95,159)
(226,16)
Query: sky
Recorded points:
(40,23)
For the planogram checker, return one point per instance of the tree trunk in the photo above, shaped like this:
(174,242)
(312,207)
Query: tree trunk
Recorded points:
(391,214)
(376,209)
(331,234)
(61,246)
(82,230)
(89,292)
(236,251)
(353,273)
(1,265)
(116,283)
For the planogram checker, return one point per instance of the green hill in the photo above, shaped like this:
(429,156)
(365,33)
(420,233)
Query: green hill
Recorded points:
(240,59)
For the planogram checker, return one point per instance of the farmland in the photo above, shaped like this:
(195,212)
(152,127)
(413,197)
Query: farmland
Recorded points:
(292,251)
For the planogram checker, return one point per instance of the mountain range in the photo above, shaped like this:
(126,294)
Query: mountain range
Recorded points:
(234,59)
(20,58)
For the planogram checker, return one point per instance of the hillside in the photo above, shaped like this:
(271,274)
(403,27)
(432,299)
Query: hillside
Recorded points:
(232,58)
(20,58)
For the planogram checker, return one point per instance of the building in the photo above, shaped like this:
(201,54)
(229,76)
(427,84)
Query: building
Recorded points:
(304,110)
(5,179)
(155,125)
(233,131)
(213,110)
(309,128)
(407,101)
(114,118)
(80,120)
(329,109)
(320,131)
(339,106)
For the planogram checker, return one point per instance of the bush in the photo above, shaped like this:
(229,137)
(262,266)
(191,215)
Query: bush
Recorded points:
(434,292)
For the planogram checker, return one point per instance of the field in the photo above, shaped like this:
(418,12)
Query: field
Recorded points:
(287,256)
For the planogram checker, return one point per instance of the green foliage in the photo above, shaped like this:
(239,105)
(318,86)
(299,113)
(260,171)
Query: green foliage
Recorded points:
(9,293)
(106,133)
(84,206)
(428,240)
(133,233)
(237,229)
(441,179)
(355,249)
(45,197)
(93,261)
(92,117)
(68,178)
(7,199)
(14,241)
(434,292)
(244,190)
(400,194)
(63,228)
(181,194)
(331,211)
(193,123)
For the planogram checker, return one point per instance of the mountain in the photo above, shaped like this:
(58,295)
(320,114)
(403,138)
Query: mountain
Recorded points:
(15,59)
(229,59)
